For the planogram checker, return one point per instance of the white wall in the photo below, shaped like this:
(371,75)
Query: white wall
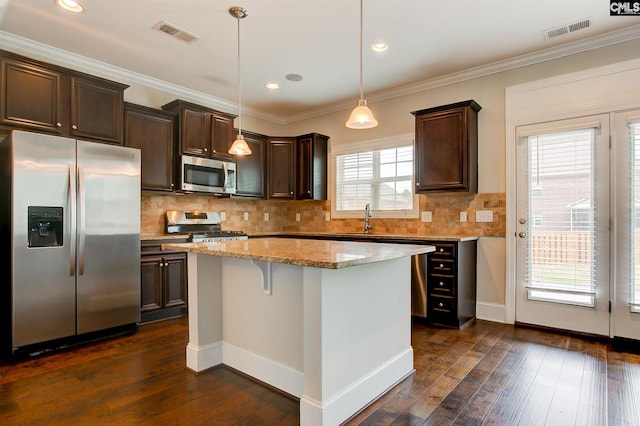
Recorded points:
(489,91)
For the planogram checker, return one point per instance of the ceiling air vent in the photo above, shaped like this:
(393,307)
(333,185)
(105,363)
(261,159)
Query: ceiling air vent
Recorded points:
(176,32)
(566,29)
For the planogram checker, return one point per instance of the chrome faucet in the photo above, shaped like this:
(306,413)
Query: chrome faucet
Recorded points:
(367,215)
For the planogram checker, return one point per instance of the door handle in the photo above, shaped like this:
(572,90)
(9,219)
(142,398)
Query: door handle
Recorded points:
(82,218)
(72,219)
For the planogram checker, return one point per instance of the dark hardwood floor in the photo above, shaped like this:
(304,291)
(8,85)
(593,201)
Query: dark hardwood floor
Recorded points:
(486,374)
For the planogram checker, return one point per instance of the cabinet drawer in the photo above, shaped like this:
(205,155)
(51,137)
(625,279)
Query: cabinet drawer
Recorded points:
(444,284)
(441,305)
(444,250)
(441,266)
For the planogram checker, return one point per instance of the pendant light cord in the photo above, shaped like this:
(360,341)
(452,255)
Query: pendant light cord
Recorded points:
(361,24)
(239,99)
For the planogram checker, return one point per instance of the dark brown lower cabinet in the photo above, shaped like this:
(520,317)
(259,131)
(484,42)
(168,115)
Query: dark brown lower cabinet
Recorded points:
(163,281)
(451,283)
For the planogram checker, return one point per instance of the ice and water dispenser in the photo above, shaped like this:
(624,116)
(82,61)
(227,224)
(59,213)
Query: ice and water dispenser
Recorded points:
(45,226)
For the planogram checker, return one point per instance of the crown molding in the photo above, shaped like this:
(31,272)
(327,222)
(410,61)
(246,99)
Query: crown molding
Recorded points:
(614,37)
(44,52)
(63,58)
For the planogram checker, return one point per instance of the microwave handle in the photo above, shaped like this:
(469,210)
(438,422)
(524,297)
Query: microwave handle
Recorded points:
(226,176)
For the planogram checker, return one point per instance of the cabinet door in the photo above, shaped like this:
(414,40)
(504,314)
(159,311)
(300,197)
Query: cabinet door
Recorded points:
(446,152)
(250,169)
(194,130)
(221,135)
(281,170)
(31,97)
(153,133)
(97,110)
(311,167)
(151,283)
(304,169)
(175,271)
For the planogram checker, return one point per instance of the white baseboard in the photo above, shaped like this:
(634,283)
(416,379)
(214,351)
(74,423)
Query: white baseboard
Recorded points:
(491,312)
(203,357)
(273,373)
(368,388)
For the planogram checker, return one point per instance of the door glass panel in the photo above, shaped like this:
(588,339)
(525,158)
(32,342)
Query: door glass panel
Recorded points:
(561,238)
(634,144)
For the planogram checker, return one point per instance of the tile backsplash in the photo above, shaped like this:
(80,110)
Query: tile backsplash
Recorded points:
(445,210)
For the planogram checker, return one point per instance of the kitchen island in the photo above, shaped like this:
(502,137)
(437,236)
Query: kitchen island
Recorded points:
(325,321)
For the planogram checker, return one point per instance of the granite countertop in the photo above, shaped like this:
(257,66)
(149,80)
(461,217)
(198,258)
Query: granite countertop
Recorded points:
(372,236)
(328,235)
(328,254)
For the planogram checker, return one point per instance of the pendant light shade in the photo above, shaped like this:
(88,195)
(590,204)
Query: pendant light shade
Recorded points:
(361,116)
(239,146)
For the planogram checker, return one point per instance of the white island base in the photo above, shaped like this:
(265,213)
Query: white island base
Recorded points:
(335,338)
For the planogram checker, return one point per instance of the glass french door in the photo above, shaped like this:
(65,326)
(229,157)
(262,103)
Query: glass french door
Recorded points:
(563,242)
(626,262)
(578,230)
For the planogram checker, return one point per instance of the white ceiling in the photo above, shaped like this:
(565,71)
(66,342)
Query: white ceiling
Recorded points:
(318,39)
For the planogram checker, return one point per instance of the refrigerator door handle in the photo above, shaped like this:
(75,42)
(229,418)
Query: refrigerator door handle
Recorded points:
(72,219)
(82,222)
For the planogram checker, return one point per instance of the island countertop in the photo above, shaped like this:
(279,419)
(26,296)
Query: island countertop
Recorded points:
(328,254)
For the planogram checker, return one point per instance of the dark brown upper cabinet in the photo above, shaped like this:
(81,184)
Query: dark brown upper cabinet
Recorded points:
(297,167)
(203,132)
(153,132)
(45,98)
(251,169)
(311,167)
(281,171)
(446,148)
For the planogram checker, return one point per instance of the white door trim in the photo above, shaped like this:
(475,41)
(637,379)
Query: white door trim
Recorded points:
(599,90)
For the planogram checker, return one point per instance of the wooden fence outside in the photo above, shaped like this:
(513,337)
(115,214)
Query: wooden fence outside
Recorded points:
(561,247)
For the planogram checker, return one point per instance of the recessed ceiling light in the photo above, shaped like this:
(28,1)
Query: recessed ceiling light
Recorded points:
(293,77)
(379,47)
(272,86)
(70,5)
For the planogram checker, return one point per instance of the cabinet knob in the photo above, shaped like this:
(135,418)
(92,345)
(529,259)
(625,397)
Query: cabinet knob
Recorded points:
(172,185)
(58,124)
(74,127)
(291,193)
(205,150)
(166,263)
(417,184)
(441,284)
(442,265)
(441,250)
(161,264)
(308,192)
(441,305)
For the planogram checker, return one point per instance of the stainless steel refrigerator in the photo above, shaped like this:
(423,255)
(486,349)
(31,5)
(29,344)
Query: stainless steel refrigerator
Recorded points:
(70,221)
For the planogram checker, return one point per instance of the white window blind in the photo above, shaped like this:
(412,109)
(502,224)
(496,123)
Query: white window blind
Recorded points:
(560,260)
(382,178)
(634,203)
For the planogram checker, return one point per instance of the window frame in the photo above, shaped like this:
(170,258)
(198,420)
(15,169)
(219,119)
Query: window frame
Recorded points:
(345,148)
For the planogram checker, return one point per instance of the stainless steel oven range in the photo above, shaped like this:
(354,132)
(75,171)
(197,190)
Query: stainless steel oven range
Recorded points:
(201,226)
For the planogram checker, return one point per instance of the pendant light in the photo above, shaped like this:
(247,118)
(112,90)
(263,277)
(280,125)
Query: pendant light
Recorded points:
(361,117)
(239,146)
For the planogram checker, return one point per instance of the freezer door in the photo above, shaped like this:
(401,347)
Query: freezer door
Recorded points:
(108,254)
(43,281)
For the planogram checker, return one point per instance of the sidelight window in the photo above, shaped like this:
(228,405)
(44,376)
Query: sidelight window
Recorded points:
(634,216)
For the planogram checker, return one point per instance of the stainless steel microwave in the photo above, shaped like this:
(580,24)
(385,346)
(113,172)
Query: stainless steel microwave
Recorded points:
(207,175)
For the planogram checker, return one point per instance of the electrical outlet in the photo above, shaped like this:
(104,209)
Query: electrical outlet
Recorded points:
(484,216)
(427,216)
(297,217)
(223,216)
(266,217)
(463,216)
(327,216)
(246,215)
